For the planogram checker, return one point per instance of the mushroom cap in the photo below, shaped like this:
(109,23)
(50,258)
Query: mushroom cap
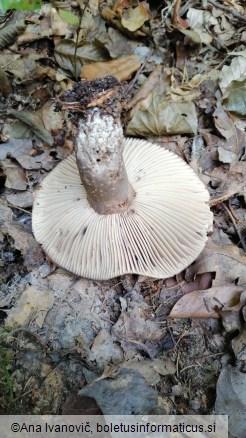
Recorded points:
(162,232)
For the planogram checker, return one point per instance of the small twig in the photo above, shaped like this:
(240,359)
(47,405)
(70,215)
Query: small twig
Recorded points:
(28,332)
(237,230)
(177,364)
(14,206)
(171,334)
(22,395)
(190,366)
(130,86)
(229,10)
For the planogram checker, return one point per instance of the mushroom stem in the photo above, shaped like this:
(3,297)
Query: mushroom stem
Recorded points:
(99,149)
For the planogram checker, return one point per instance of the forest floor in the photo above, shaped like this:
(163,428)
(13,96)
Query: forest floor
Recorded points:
(181,340)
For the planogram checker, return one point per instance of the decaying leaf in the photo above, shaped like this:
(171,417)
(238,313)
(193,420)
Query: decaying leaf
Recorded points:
(25,243)
(231,399)
(34,122)
(5,85)
(228,183)
(65,52)
(151,370)
(133,18)
(15,176)
(122,68)
(105,350)
(15,146)
(135,328)
(126,394)
(200,21)
(33,305)
(116,43)
(236,97)
(147,87)
(239,345)
(231,149)
(20,199)
(203,303)
(233,72)
(156,116)
(11,31)
(192,35)
(228,263)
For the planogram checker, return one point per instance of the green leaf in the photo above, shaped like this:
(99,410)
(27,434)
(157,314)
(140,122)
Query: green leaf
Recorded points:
(236,97)
(157,117)
(69,17)
(27,5)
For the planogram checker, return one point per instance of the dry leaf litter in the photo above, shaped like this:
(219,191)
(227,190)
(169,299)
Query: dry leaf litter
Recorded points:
(181,340)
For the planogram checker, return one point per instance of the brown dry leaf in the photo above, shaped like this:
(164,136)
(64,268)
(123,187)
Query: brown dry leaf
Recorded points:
(235,97)
(116,44)
(20,199)
(200,20)
(24,242)
(228,182)
(121,68)
(231,399)
(135,328)
(203,304)
(148,86)
(34,121)
(59,26)
(133,18)
(228,263)
(231,148)
(25,69)
(151,369)
(6,213)
(33,305)
(23,152)
(80,405)
(11,30)
(239,345)
(233,72)
(105,350)
(15,146)
(15,176)
(53,120)
(86,53)
(157,116)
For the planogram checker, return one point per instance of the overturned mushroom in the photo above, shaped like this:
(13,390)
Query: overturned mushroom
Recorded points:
(120,205)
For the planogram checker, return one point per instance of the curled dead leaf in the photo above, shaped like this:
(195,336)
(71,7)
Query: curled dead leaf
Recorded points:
(121,68)
(231,399)
(134,18)
(203,304)
(156,116)
(228,263)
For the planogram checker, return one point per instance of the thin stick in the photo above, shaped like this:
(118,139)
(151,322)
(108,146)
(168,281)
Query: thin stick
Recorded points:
(229,10)
(224,206)
(14,206)
(129,87)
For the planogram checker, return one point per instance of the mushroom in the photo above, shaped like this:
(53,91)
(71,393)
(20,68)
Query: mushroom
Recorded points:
(120,205)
